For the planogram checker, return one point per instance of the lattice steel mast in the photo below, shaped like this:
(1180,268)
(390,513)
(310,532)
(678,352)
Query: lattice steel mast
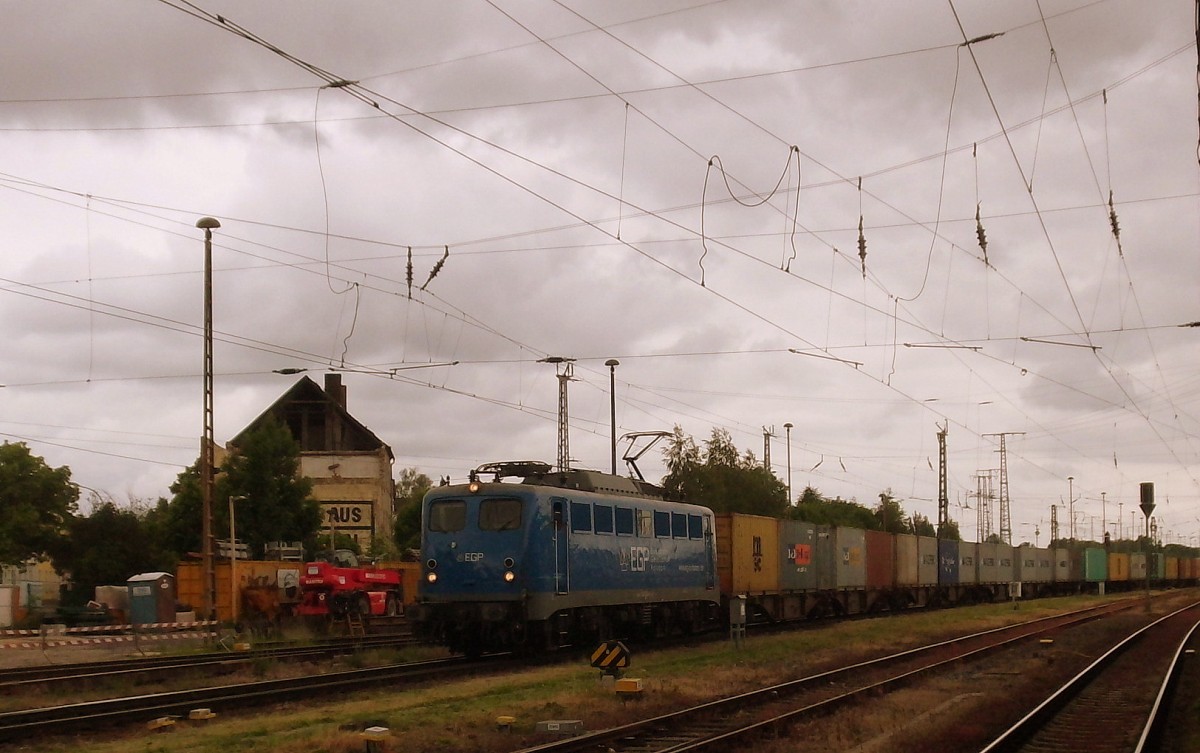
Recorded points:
(1005,506)
(943,499)
(564,369)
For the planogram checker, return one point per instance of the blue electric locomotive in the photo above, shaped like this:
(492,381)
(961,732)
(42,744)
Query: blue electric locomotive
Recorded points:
(560,558)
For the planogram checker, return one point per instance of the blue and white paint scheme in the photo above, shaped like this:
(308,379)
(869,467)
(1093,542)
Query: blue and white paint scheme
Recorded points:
(560,557)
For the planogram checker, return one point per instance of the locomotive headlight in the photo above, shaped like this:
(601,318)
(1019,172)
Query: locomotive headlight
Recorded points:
(509,577)
(473,487)
(431,577)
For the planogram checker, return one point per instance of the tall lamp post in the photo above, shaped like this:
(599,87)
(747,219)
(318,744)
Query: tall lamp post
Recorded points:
(233,579)
(788,433)
(612,365)
(208,224)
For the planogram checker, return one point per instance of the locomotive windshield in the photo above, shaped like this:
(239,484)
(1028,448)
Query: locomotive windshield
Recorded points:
(500,514)
(496,514)
(448,515)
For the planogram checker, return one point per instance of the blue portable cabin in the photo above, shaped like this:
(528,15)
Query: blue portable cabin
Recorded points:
(560,557)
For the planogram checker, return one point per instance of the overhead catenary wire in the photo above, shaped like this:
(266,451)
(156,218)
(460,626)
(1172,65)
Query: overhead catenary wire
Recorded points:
(827,343)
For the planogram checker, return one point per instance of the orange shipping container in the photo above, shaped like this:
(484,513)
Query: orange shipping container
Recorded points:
(189,577)
(1118,566)
(747,553)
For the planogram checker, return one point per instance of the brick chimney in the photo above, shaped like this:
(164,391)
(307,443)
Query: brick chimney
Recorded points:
(335,389)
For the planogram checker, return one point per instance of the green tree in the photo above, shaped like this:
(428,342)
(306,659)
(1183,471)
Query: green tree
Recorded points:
(105,548)
(410,491)
(814,508)
(273,502)
(319,544)
(922,526)
(179,518)
(889,515)
(950,531)
(718,478)
(36,502)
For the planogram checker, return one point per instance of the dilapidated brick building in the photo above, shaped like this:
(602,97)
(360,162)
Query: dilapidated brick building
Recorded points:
(350,467)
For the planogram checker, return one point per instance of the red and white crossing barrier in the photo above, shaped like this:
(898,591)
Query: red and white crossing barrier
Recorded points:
(108,639)
(58,636)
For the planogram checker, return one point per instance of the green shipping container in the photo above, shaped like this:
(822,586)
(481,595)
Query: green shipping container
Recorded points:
(1095,565)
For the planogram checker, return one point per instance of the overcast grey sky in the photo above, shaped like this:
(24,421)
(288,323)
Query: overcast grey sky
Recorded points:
(611,179)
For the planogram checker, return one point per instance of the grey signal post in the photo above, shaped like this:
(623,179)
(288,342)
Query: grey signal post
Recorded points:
(1147,494)
(1147,506)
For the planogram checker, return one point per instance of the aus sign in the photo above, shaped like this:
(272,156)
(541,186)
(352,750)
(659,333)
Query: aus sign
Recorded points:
(348,516)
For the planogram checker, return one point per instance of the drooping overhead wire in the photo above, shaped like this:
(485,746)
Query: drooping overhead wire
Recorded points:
(374,101)
(324,188)
(1115,228)
(757,201)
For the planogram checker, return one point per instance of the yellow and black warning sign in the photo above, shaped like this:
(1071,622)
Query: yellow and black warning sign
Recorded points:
(610,656)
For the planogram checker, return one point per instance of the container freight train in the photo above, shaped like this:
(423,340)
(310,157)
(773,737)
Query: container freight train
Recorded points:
(579,556)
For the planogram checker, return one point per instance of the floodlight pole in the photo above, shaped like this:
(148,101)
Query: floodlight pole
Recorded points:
(208,224)
(787,428)
(612,365)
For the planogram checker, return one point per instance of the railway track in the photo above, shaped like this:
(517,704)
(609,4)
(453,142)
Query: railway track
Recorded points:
(1118,704)
(76,717)
(734,722)
(19,678)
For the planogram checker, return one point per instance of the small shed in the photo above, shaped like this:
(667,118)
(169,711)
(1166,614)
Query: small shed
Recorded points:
(10,599)
(151,598)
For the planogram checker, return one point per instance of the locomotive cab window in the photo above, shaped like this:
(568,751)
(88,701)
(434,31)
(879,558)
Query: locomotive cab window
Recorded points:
(602,517)
(581,517)
(662,524)
(695,527)
(447,515)
(499,514)
(624,521)
(679,525)
(645,524)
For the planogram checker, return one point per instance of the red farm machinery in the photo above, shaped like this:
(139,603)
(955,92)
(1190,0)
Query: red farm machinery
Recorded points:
(339,587)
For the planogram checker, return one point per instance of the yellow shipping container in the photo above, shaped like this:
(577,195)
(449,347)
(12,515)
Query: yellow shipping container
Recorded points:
(189,577)
(410,576)
(748,553)
(1118,566)
(1172,568)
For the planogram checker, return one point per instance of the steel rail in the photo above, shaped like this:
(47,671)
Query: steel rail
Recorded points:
(1024,730)
(716,734)
(1152,732)
(90,714)
(17,677)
